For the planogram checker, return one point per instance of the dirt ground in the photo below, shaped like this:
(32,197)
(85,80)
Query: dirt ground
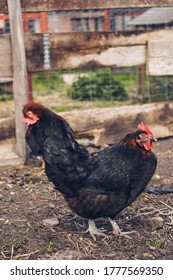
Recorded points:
(27,199)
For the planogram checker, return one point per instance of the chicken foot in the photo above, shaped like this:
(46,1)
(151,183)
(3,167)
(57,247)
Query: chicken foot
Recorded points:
(93,230)
(117,231)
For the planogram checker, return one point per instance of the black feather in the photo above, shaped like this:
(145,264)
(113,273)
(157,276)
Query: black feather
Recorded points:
(94,185)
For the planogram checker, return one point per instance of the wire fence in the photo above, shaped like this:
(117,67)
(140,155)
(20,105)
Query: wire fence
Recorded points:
(101,87)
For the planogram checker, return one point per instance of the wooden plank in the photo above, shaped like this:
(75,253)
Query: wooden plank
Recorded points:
(86,50)
(49,5)
(20,86)
(160,57)
(74,45)
(77,53)
(5,57)
(119,56)
(103,40)
(104,125)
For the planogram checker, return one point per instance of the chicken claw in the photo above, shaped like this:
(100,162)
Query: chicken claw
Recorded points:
(95,231)
(118,232)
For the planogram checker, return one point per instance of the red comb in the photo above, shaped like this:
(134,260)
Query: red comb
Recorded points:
(145,128)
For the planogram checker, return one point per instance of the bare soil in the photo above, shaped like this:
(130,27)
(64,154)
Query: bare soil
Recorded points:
(27,199)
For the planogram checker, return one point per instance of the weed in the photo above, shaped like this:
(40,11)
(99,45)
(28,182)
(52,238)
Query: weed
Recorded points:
(159,242)
(156,245)
(154,179)
(50,247)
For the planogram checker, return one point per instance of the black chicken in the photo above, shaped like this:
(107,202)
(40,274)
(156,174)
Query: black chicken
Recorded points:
(94,185)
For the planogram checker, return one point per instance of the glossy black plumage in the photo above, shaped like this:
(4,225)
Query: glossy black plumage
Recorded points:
(94,185)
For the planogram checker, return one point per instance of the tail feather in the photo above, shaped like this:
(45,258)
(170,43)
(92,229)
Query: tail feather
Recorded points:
(158,190)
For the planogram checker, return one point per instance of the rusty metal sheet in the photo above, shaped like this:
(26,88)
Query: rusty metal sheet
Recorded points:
(49,5)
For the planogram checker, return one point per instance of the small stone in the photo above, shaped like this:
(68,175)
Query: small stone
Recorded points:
(12,193)
(148,255)
(51,206)
(67,255)
(51,222)
(156,223)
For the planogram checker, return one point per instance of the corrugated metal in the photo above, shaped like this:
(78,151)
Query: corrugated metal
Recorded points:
(154,16)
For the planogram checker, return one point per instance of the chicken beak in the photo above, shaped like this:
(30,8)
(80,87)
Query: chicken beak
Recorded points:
(152,138)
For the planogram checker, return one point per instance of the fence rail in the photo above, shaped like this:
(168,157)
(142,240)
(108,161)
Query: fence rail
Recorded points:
(91,50)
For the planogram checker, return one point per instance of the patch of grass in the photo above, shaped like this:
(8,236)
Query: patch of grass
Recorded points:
(154,179)
(65,108)
(27,191)
(155,244)
(50,247)
(44,194)
(5,95)
(158,243)
(100,85)
(46,82)
(128,80)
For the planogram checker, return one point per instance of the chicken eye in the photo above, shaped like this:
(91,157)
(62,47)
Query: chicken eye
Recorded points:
(29,114)
(139,137)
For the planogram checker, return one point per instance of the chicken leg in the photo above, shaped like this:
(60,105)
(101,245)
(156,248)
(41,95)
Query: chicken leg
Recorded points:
(92,229)
(117,231)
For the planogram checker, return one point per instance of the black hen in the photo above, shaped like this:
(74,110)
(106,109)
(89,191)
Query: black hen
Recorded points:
(94,185)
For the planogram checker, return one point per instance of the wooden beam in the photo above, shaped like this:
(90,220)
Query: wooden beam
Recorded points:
(66,48)
(103,40)
(20,86)
(79,51)
(5,57)
(84,50)
(118,57)
(104,125)
(62,5)
(89,50)
(141,75)
(160,57)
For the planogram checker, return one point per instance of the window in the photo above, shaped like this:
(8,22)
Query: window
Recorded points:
(31,25)
(7,27)
(87,24)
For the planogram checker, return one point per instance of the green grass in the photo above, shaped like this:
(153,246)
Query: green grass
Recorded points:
(5,95)
(155,244)
(50,89)
(154,179)
(46,82)
(65,108)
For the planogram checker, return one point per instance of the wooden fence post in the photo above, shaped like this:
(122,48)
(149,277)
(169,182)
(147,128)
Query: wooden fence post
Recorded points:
(20,82)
